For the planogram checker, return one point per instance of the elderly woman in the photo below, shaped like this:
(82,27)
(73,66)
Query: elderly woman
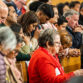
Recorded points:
(13,75)
(44,65)
(7,44)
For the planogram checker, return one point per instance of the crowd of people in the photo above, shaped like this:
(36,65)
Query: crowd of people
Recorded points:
(41,34)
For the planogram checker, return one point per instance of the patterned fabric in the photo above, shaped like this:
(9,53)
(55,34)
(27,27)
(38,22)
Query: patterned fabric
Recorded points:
(2,69)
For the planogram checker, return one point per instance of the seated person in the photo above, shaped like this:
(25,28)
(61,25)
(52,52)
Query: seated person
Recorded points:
(44,65)
(12,73)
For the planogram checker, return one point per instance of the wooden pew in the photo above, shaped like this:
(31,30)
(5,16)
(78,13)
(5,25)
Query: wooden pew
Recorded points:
(21,65)
(71,64)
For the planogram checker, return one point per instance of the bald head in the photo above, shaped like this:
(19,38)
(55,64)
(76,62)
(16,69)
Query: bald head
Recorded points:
(3,12)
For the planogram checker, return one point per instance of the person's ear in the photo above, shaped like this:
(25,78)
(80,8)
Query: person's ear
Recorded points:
(47,45)
(67,18)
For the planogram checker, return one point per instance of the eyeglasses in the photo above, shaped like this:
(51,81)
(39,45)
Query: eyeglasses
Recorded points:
(57,43)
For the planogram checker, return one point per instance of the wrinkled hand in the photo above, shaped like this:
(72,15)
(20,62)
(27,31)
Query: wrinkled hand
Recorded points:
(78,29)
(74,52)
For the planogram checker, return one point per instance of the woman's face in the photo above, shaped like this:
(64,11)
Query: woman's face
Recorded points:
(56,16)
(81,11)
(32,27)
(57,44)
(66,8)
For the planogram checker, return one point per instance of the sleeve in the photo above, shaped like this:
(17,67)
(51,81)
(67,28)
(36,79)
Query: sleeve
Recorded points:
(77,41)
(47,72)
(23,57)
(34,43)
(2,70)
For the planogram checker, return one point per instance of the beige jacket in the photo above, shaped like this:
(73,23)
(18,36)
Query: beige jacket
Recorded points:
(11,75)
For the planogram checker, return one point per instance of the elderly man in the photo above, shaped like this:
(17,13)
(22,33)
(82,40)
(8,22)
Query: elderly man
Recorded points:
(72,17)
(3,12)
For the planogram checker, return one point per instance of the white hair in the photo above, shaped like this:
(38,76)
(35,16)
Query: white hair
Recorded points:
(7,38)
(70,12)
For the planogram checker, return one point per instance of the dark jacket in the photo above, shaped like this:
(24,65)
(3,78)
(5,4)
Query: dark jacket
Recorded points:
(81,20)
(23,57)
(2,69)
(76,38)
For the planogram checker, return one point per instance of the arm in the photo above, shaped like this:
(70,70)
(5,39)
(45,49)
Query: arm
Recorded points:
(77,41)
(23,57)
(47,72)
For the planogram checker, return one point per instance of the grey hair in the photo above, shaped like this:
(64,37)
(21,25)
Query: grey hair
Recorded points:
(70,12)
(47,35)
(7,38)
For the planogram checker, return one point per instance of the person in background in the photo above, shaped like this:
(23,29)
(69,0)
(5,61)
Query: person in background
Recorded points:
(10,2)
(13,75)
(75,5)
(3,16)
(17,29)
(19,5)
(7,44)
(62,23)
(63,7)
(51,23)
(44,66)
(29,22)
(66,7)
(81,14)
(43,14)
(12,16)
(3,12)
(72,17)
(34,5)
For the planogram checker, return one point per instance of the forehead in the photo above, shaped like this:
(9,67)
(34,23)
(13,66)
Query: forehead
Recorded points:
(57,38)
(3,13)
(55,9)
(75,16)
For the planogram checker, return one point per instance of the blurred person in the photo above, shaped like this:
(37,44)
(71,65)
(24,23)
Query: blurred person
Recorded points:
(75,5)
(7,44)
(19,5)
(13,75)
(66,7)
(43,14)
(66,42)
(12,16)
(62,23)
(22,55)
(44,66)
(29,22)
(72,17)
(63,7)
(78,79)
(81,15)
(51,23)
(3,12)
(34,5)
(10,2)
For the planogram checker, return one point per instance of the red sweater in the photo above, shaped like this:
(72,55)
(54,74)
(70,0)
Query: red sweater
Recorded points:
(44,68)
